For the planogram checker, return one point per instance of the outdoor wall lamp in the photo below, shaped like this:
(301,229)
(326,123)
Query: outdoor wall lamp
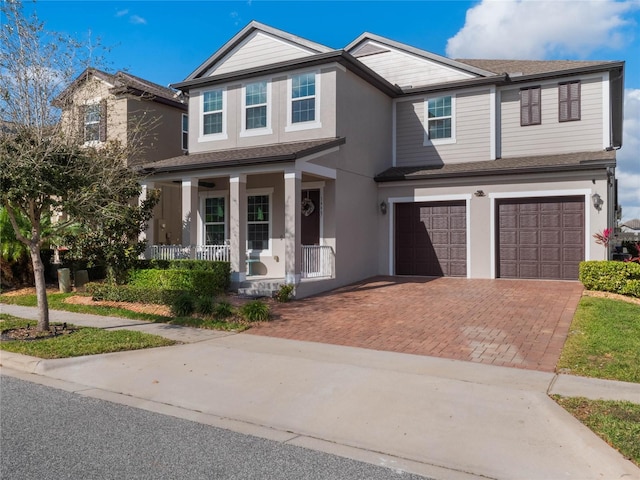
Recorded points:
(479,193)
(383,207)
(597,201)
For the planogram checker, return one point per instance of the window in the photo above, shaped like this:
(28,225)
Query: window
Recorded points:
(303,98)
(530,106)
(212,112)
(94,122)
(256,105)
(185,131)
(439,116)
(258,222)
(214,221)
(569,101)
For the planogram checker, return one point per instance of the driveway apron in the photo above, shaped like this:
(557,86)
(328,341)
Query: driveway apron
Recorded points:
(513,323)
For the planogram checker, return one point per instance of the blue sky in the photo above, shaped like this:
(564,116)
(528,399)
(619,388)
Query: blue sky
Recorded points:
(164,41)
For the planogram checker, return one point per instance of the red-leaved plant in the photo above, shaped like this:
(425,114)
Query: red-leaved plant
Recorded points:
(604,237)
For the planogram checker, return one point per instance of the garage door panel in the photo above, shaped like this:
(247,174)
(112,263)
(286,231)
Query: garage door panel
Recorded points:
(431,239)
(548,240)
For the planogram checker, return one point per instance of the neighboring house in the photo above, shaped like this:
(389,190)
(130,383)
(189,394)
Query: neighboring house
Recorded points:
(99,106)
(322,167)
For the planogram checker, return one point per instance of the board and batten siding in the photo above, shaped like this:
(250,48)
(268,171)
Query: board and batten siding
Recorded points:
(473,132)
(405,70)
(259,49)
(553,136)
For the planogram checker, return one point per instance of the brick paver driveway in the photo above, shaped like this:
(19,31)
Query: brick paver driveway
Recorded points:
(515,323)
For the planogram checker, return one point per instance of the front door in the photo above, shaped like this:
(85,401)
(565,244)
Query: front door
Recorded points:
(310,217)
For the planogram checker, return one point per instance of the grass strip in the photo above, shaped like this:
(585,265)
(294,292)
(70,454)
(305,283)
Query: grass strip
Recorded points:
(83,341)
(603,341)
(617,423)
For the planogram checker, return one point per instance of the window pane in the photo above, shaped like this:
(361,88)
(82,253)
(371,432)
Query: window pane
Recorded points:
(303,85)
(212,123)
(258,208)
(440,128)
(214,234)
(258,236)
(440,107)
(256,117)
(92,132)
(303,110)
(256,93)
(212,101)
(185,123)
(214,210)
(92,113)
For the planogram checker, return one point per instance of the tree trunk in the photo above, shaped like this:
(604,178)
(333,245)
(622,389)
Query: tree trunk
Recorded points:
(41,288)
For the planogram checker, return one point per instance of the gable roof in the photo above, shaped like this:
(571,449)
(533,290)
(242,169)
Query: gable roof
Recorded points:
(125,83)
(242,35)
(633,224)
(529,67)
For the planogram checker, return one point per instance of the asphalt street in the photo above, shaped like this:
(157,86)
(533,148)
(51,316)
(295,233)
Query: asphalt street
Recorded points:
(52,434)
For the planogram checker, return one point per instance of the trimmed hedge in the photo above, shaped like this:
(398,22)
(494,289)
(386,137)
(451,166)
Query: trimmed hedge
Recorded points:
(182,265)
(610,276)
(129,293)
(197,282)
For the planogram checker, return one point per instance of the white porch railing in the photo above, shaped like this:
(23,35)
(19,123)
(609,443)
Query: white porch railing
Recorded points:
(317,261)
(199,252)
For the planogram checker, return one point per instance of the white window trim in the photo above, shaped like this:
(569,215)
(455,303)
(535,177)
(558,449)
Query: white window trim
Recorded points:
(185,148)
(439,141)
(255,131)
(224,194)
(212,136)
(91,143)
(293,127)
(252,193)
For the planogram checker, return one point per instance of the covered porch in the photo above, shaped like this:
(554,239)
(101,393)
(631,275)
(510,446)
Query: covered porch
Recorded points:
(269,218)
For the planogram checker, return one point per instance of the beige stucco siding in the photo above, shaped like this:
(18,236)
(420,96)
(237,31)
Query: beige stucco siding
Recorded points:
(405,69)
(473,132)
(259,49)
(279,129)
(552,136)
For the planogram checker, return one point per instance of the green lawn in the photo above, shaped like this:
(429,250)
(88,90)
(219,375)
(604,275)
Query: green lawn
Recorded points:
(83,341)
(603,341)
(617,423)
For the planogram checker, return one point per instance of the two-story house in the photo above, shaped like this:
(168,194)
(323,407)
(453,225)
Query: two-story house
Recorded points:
(322,167)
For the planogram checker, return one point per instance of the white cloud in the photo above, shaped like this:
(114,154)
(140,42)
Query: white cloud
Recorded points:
(121,13)
(137,20)
(537,29)
(628,171)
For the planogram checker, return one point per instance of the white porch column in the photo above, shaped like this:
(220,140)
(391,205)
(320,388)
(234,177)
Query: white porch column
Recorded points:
(149,233)
(190,214)
(292,239)
(238,226)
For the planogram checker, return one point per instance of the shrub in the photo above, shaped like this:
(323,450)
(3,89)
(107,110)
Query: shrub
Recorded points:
(255,311)
(204,305)
(198,282)
(609,276)
(284,293)
(183,305)
(129,293)
(222,309)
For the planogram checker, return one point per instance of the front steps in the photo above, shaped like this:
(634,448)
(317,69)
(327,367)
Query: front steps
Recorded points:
(255,288)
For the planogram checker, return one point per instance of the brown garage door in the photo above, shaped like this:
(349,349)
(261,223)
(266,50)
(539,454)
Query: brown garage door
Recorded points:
(431,239)
(540,237)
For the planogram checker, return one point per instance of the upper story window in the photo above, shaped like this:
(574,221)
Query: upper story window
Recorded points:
(185,131)
(530,111)
(212,112)
(303,98)
(94,122)
(256,105)
(440,124)
(569,101)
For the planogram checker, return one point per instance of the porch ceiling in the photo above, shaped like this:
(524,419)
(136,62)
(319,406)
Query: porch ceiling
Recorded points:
(276,153)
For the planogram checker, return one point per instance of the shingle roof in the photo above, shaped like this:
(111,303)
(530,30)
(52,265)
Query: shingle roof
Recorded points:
(501,166)
(529,67)
(281,152)
(633,224)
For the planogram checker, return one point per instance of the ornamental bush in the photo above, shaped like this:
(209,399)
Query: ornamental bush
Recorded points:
(611,276)
(198,282)
(129,293)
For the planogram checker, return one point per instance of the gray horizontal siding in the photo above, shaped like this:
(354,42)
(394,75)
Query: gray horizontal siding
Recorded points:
(473,132)
(258,50)
(552,136)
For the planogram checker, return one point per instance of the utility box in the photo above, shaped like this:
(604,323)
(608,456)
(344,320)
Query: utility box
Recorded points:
(81,278)
(64,280)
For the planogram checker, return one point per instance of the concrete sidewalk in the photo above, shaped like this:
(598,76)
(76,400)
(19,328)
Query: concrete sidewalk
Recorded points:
(442,418)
